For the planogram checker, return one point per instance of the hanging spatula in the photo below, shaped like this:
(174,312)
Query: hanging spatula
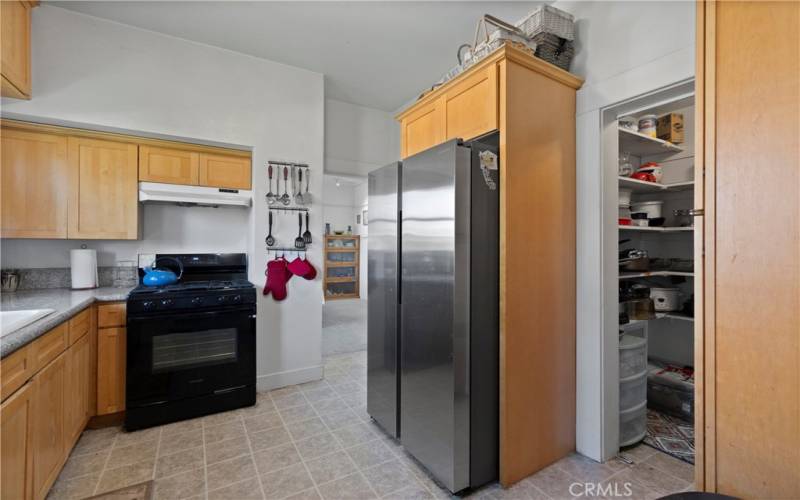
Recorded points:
(307,234)
(299,242)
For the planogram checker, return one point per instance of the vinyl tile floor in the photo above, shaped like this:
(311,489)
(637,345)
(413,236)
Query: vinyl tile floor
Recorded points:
(315,441)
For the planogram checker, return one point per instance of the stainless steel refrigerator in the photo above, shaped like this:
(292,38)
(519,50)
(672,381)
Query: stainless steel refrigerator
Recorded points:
(433,327)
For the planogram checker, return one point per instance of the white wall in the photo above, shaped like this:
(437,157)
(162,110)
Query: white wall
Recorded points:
(338,209)
(624,49)
(101,73)
(358,139)
(166,229)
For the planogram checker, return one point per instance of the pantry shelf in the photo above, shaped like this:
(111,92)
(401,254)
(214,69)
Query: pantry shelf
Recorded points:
(653,229)
(638,186)
(643,145)
(654,274)
(670,315)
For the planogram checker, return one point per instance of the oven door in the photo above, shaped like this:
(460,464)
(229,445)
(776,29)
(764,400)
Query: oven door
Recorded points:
(176,356)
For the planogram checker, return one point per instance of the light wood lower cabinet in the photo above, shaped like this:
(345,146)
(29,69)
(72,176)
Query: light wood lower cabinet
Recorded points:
(49,393)
(15,445)
(78,387)
(110,370)
(48,425)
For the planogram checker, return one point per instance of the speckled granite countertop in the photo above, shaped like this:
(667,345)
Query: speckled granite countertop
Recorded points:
(67,303)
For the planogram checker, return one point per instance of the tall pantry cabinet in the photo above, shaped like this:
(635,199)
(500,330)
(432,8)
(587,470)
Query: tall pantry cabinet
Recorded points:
(532,104)
(748,101)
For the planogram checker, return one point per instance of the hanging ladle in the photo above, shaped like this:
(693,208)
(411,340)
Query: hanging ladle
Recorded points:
(285,198)
(270,195)
(270,240)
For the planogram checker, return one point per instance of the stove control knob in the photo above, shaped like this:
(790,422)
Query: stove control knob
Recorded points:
(236,299)
(148,305)
(197,301)
(222,299)
(166,302)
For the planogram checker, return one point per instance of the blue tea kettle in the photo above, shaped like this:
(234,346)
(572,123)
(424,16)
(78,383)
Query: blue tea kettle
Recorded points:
(161,277)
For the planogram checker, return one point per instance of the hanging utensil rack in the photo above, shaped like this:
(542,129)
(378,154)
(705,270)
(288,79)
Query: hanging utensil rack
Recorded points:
(288,164)
(286,250)
(288,209)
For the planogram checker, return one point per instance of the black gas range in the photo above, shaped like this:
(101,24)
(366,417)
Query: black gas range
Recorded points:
(191,346)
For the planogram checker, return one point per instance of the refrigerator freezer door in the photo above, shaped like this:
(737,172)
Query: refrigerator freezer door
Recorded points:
(383,288)
(435,303)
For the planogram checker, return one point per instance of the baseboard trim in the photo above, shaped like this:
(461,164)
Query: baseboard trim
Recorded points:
(290,377)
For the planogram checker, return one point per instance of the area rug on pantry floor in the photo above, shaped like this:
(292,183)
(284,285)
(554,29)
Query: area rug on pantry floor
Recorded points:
(671,435)
(141,491)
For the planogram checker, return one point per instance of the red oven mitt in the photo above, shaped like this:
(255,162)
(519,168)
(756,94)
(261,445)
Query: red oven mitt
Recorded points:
(277,277)
(299,267)
(312,272)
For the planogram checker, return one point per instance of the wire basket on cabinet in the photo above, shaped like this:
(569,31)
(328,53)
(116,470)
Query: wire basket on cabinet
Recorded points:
(547,19)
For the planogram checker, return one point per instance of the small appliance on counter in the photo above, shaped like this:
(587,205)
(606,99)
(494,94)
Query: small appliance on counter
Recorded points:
(83,267)
(10,281)
(191,345)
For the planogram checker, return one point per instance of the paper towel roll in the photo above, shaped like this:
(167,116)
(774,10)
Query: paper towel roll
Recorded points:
(83,263)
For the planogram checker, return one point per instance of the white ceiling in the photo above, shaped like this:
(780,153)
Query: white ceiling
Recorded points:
(376,54)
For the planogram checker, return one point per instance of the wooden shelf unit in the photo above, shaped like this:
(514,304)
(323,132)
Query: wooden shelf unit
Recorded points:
(335,246)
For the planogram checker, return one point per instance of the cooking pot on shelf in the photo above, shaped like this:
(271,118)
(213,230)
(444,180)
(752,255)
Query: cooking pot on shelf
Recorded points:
(161,277)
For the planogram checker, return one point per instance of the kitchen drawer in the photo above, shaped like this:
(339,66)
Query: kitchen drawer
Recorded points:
(109,315)
(15,370)
(49,346)
(79,325)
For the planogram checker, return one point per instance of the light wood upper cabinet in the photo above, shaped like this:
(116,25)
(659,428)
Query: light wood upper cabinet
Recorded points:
(33,173)
(103,190)
(15,48)
(48,425)
(224,171)
(470,106)
(15,446)
(422,128)
(465,109)
(110,370)
(167,165)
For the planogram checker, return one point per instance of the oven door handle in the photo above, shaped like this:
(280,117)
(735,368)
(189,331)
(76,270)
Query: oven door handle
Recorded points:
(188,315)
(229,389)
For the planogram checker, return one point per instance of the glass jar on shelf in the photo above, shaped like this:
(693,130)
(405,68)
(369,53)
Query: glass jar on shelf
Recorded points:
(625,168)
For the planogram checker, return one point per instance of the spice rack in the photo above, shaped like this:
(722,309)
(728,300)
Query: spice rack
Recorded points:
(341,279)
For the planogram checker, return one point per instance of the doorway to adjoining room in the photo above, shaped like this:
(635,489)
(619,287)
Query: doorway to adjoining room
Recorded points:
(346,218)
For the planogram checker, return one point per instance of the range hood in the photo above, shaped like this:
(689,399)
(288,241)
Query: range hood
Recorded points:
(194,195)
